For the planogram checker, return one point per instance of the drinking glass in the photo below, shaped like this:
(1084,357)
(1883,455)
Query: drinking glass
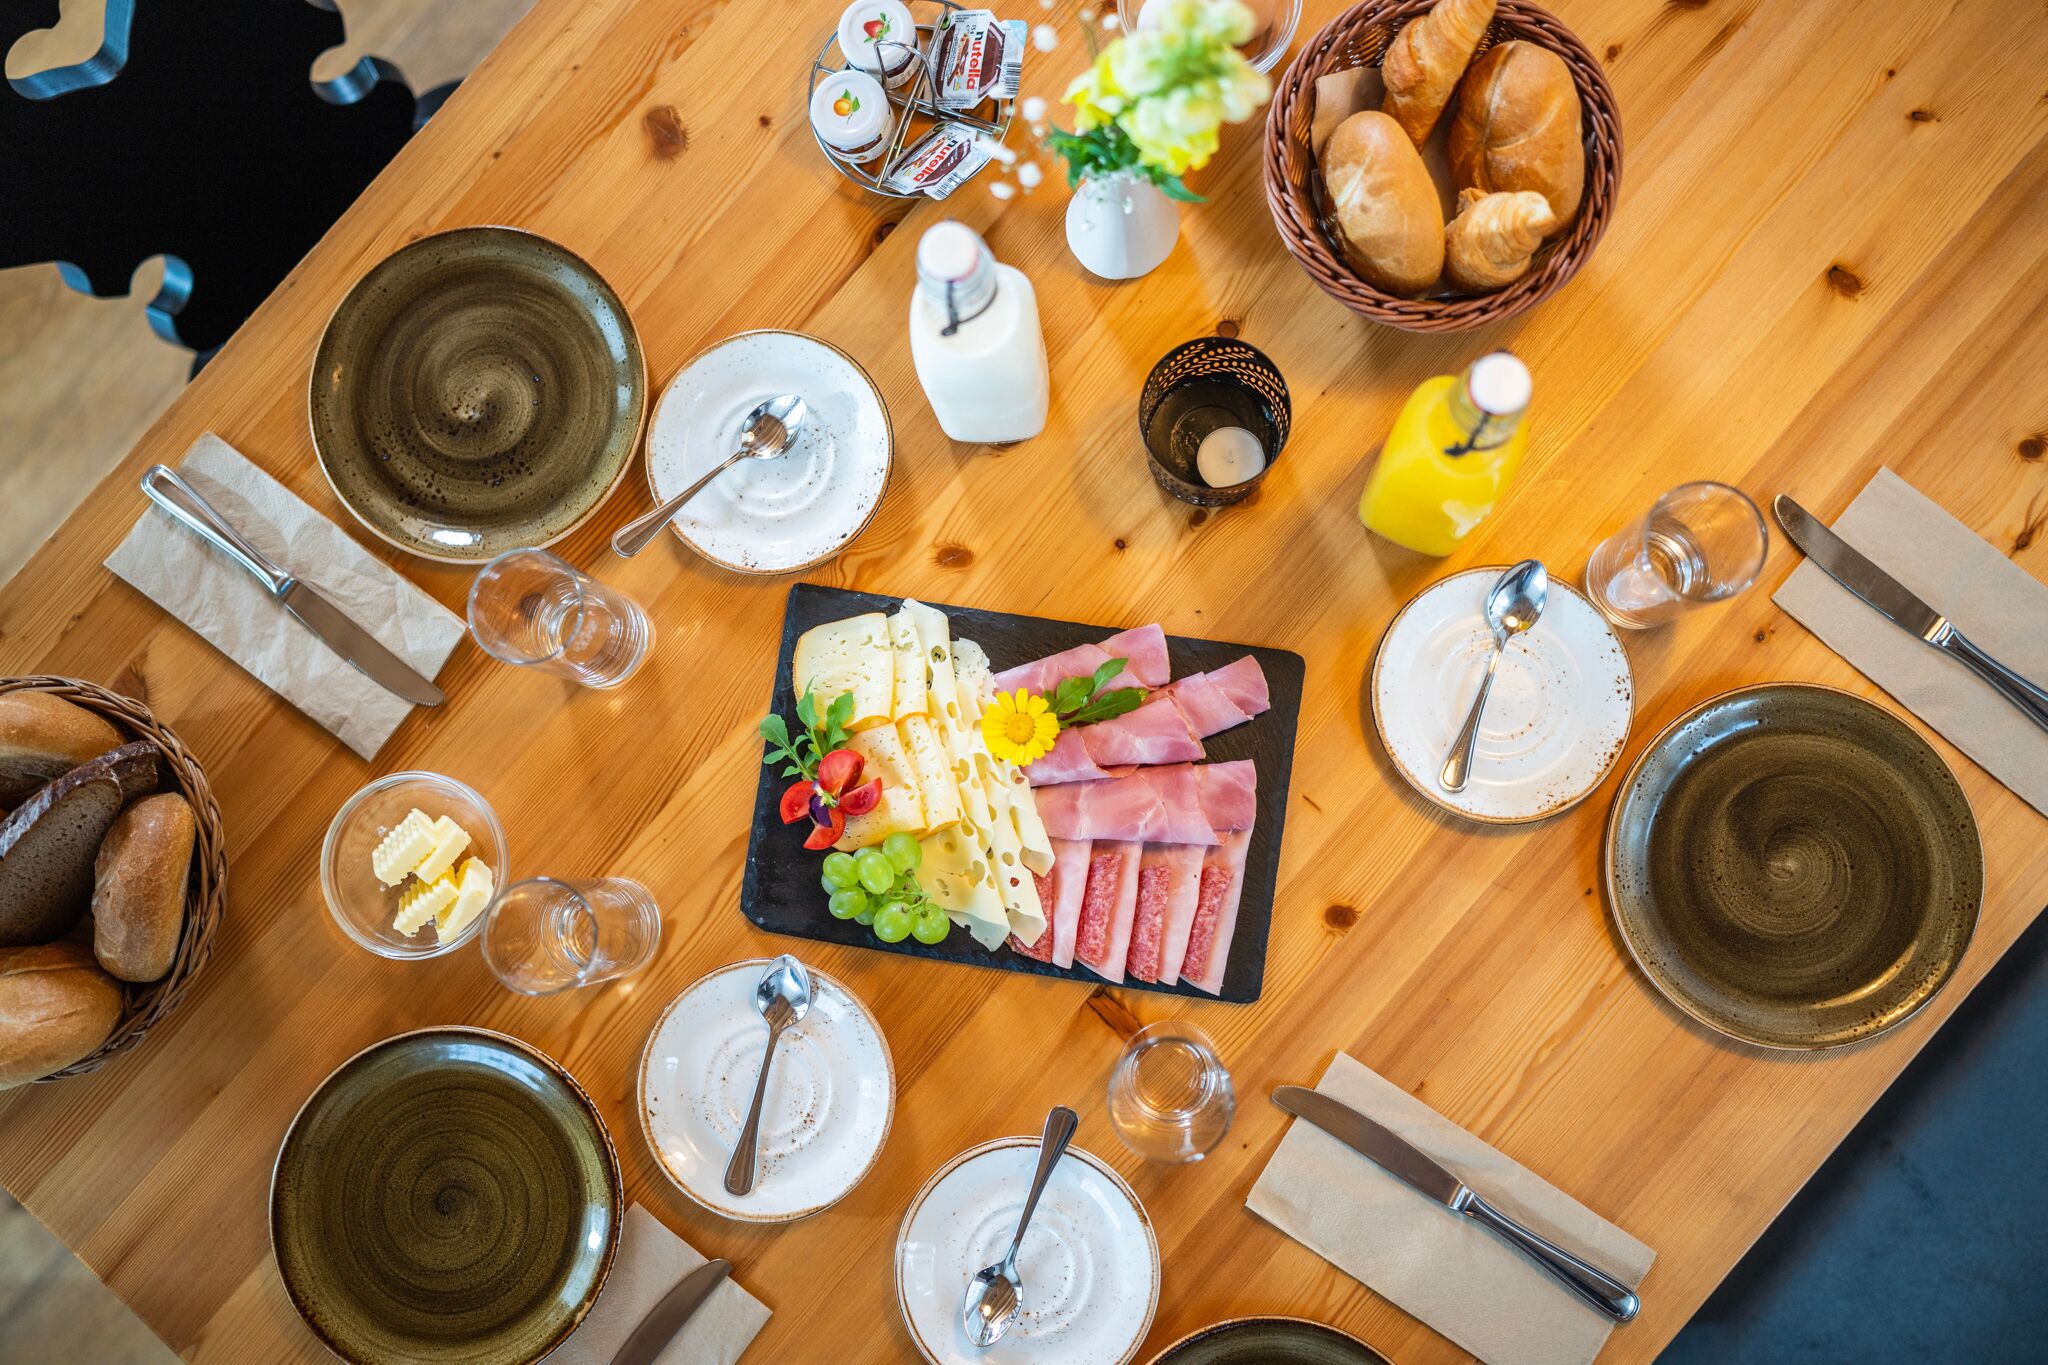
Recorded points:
(530,608)
(1700,543)
(1169,1096)
(551,934)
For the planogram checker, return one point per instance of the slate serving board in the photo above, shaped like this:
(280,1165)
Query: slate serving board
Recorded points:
(780,892)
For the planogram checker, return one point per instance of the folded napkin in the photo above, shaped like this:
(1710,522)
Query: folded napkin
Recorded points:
(221,600)
(1995,602)
(1440,1266)
(650,1261)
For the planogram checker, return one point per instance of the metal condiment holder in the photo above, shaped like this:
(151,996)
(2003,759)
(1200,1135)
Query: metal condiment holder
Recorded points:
(917,99)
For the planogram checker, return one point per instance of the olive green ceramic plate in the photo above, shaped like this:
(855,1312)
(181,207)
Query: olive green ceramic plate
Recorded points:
(448,1195)
(477,391)
(1793,866)
(1269,1341)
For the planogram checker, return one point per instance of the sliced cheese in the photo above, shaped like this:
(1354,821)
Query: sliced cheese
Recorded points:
(933,772)
(1011,791)
(911,694)
(996,819)
(956,877)
(854,655)
(901,808)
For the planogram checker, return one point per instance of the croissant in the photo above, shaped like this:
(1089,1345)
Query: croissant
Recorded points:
(1425,60)
(1490,243)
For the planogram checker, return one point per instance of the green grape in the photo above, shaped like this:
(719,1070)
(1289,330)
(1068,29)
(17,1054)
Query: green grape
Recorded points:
(847,903)
(866,915)
(930,925)
(902,851)
(892,924)
(877,873)
(830,886)
(839,871)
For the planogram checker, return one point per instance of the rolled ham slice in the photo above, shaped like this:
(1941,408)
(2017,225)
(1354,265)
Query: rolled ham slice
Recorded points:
(1203,703)
(1069,884)
(1155,733)
(1152,805)
(1169,882)
(1069,761)
(1215,918)
(1149,735)
(1244,682)
(1143,649)
(1102,939)
(1229,793)
(1043,675)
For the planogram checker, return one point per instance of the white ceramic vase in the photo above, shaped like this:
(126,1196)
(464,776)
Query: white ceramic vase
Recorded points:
(1121,226)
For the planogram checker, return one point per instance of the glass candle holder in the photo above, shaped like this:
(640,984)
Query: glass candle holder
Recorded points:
(1204,407)
(530,608)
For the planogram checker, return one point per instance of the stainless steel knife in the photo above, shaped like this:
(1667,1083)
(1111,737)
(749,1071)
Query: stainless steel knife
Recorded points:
(1891,599)
(671,1314)
(1417,1170)
(355,645)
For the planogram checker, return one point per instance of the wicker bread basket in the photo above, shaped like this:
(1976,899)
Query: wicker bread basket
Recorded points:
(1294,192)
(206,889)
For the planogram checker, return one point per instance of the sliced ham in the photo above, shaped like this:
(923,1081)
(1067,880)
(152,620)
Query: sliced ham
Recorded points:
(1229,793)
(1068,761)
(1041,950)
(1143,650)
(1244,682)
(1152,805)
(1103,939)
(1069,885)
(1155,733)
(1203,703)
(1215,919)
(1150,735)
(1043,675)
(1183,892)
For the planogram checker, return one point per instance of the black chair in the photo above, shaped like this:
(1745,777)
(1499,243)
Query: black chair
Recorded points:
(196,133)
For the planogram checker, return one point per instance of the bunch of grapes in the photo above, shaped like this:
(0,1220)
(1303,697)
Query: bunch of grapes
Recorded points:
(878,887)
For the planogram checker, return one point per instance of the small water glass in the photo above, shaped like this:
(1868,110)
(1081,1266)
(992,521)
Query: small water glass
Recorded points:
(551,934)
(1701,542)
(528,607)
(1169,1096)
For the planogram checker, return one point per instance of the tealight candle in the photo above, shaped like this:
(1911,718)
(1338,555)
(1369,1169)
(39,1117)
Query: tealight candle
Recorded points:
(1229,455)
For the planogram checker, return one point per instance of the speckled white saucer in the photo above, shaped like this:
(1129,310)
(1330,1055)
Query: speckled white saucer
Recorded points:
(831,1095)
(1090,1261)
(791,512)
(1554,726)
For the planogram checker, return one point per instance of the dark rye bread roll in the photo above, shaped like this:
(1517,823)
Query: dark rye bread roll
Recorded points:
(138,898)
(56,1006)
(43,737)
(49,843)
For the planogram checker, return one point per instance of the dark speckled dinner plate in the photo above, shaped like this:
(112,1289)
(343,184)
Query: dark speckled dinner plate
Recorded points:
(1269,1341)
(477,391)
(1794,866)
(448,1195)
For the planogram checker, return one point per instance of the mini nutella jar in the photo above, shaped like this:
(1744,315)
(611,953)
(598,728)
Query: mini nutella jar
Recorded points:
(880,38)
(850,114)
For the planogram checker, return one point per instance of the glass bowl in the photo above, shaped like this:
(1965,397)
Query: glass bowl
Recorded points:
(1266,49)
(363,906)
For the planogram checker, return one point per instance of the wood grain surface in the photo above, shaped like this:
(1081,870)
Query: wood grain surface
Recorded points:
(1828,257)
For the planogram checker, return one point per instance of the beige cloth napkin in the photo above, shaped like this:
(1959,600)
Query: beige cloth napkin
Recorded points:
(1445,1269)
(649,1262)
(221,600)
(1995,602)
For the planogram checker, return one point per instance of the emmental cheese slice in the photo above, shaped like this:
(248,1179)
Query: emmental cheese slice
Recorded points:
(934,774)
(910,666)
(854,655)
(901,807)
(956,877)
(1014,882)
(1009,791)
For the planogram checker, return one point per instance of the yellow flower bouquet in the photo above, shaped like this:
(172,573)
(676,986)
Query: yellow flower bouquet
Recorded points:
(1152,102)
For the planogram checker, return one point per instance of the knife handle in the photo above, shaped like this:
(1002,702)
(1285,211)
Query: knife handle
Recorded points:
(2031,700)
(164,488)
(1600,1290)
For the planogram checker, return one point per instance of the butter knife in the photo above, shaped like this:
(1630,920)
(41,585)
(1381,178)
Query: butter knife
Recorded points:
(356,646)
(1893,601)
(671,1314)
(1420,1172)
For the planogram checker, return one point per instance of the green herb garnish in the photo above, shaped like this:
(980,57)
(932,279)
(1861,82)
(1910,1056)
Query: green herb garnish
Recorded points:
(1082,701)
(802,755)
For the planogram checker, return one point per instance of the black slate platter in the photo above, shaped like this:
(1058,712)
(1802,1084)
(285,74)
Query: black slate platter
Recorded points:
(781,893)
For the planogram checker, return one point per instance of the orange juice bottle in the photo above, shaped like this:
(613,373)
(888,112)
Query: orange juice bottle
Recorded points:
(1449,457)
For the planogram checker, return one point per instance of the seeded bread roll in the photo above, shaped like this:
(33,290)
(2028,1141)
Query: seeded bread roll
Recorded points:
(43,737)
(138,899)
(56,1006)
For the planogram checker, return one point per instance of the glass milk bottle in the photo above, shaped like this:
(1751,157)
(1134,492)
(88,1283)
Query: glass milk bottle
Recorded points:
(975,339)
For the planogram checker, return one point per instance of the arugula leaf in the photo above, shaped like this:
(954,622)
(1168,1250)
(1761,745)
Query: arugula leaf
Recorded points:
(807,710)
(836,717)
(1108,704)
(1070,695)
(1105,673)
(774,730)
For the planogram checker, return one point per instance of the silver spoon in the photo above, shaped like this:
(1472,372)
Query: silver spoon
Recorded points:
(782,998)
(996,1292)
(1511,608)
(768,431)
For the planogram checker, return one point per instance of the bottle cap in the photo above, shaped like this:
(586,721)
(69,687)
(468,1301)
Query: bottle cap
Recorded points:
(1499,384)
(949,251)
(878,36)
(849,110)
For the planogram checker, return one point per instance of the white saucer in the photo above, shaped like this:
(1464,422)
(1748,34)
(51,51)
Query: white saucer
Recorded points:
(831,1095)
(791,512)
(1558,717)
(1090,1261)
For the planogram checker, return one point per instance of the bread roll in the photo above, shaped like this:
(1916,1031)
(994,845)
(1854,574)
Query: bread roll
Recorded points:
(1518,128)
(1423,63)
(138,899)
(1386,207)
(43,737)
(1491,241)
(56,1006)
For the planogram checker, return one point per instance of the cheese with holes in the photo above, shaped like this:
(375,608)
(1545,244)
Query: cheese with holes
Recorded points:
(934,774)
(854,655)
(911,696)
(1014,882)
(1009,791)
(901,808)
(954,873)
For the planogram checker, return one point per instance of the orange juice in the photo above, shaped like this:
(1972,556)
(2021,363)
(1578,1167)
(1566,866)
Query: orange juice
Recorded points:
(1449,456)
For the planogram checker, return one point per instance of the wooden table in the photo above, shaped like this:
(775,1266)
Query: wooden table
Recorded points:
(1828,257)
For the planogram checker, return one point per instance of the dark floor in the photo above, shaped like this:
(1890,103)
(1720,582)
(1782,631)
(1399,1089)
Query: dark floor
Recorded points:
(1924,1238)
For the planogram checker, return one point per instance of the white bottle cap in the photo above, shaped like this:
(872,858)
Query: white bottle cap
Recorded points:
(878,36)
(949,251)
(1499,384)
(849,110)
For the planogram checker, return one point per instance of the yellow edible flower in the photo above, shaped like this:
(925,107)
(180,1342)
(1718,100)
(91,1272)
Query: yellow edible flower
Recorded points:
(1019,726)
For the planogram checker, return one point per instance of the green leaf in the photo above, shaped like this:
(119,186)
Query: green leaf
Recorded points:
(1171,187)
(836,717)
(807,710)
(792,771)
(774,730)
(1107,705)
(1105,673)
(1071,694)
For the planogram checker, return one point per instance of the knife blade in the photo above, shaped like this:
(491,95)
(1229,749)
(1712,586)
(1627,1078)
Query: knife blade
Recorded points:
(1422,1173)
(356,646)
(671,1314)
(1898,604)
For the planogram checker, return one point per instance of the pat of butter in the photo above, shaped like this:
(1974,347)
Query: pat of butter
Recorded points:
(422,901)
(403,849)
(449,841)
(473,893)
